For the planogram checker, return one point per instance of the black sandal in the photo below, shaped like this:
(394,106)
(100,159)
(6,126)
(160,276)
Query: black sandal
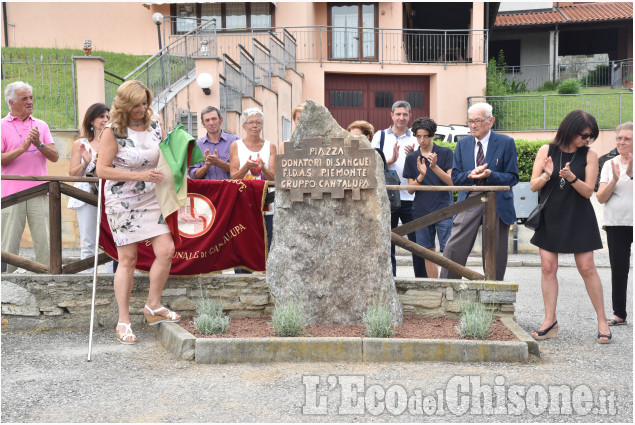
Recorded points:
(604,341)
(550,332)
(613,322)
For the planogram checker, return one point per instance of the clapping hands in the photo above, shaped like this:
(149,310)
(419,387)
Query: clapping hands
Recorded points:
(480,172)
(211,159)
(85,153)
(421,166)
(547,166)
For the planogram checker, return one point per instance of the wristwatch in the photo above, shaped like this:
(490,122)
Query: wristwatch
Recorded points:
(41,146)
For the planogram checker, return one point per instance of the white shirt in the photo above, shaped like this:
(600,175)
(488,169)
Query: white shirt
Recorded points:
(618,210)
(484,142)
(407,139)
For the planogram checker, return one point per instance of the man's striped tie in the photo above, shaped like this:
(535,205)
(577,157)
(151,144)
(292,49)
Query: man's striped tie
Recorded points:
(480,160)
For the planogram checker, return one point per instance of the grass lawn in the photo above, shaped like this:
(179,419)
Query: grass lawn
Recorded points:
(50,73)
(545,110)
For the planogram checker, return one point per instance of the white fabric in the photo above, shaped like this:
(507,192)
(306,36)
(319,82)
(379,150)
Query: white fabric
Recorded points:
(244,155)
(618,210)
(87,220)
(389,144)
(85,186)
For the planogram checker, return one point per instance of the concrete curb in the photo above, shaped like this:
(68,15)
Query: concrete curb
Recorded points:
(532,344)
(266,350)
(177,340)
(434,350)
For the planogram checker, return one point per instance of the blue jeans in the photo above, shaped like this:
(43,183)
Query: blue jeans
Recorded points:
(426,236)
(405,214)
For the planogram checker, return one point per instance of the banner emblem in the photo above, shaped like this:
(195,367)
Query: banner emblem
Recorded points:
(197,216)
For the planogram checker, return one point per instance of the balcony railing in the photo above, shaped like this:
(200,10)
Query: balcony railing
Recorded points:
(353,44)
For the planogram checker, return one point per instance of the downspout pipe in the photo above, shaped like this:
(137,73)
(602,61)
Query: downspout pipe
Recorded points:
(5,24)
(555,41)
(555,53)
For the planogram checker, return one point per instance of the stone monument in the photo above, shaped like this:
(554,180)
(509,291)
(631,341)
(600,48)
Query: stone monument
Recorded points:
(331,240)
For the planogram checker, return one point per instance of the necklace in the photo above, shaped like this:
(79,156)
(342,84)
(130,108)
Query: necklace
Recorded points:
(562,180)
(136,123)
(21,136)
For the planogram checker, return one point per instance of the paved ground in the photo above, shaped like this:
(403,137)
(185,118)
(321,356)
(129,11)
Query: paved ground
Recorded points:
(46,378)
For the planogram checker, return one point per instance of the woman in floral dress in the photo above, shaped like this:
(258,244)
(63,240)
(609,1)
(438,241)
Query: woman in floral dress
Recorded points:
(127,159)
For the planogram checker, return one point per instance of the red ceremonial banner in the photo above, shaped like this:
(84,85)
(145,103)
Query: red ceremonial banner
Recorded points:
(221,227)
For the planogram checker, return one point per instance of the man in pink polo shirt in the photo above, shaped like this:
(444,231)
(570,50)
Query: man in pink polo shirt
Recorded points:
(26,145)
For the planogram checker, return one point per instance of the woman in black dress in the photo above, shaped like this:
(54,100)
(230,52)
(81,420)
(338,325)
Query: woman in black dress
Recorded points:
(565,172)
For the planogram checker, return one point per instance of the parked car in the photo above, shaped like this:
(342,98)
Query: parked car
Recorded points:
(451,133)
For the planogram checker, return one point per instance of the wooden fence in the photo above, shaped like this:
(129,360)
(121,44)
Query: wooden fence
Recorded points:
(55,186)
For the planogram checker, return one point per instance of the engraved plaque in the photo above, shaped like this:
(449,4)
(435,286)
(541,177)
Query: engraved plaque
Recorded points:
(317,168)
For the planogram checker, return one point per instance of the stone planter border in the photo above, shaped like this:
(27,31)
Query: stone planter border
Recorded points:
(185,346)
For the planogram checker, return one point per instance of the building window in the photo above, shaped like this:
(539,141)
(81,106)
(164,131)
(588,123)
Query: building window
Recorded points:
(346,99)
(510,48)
(228,16)
(353,34)
(415,100)
(383,99)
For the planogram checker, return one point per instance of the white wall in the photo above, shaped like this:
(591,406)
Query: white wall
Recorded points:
(508,6)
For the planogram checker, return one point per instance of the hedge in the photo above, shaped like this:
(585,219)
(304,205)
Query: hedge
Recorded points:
(526,150)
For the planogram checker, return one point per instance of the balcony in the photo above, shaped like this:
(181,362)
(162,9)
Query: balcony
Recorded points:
(353,44)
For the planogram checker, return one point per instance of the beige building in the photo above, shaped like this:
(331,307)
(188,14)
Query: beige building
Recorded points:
(356,59)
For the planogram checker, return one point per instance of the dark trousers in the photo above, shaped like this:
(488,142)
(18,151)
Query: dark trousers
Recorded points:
(464,231)
(405,214)
(619,240)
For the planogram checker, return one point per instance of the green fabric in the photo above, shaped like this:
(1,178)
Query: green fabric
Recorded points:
(174,148)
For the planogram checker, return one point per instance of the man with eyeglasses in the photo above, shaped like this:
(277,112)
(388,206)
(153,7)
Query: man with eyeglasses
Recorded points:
(396,142)
(27,144)
(484,158)
(215,147)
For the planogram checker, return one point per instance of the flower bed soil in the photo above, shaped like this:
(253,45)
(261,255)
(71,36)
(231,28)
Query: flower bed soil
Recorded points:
(415,327)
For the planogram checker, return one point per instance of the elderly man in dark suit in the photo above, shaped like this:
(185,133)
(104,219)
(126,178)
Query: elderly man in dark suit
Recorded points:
(484,158)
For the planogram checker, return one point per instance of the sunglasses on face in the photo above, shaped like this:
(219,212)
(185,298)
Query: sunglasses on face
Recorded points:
(584,136)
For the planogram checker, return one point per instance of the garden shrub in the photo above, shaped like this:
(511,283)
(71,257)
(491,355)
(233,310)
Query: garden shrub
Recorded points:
(475,321)
(547,86)
(287,318)
(378,320)
(497,83)
(209,307)
(570,86)
(210,318)
(600,76)
(210,325)
(526,152)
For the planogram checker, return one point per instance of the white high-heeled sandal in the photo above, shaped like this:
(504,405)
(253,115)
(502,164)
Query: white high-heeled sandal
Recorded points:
(154,319)
(127,338)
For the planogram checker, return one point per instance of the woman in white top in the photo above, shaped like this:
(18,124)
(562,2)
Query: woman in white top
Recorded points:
(253,157)
(83,161)
(616,191)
